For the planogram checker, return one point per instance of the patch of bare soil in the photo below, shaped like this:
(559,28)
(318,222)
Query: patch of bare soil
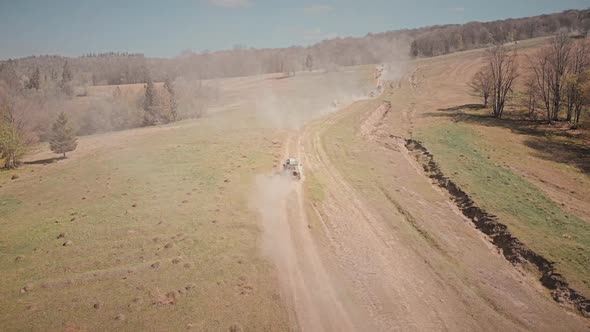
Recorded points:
(370,126)
(404,257)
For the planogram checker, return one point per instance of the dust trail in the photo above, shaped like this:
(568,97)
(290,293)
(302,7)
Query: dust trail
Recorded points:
(291,103)
(287,241)
(311,292)
(269,198)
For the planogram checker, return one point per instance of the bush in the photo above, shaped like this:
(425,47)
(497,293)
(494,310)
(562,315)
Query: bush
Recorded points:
(12,144)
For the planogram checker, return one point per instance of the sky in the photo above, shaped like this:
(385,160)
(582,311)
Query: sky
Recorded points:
(166,28)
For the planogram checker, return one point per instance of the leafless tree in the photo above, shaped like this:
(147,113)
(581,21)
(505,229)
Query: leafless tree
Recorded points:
(579,64)
(550,66)
(35,80)
(9,76)
(309,62)
(482,84)
(559,61)
(542,79)
(168,103)
(451,38)
(585,100)
(531,95)
(502,66)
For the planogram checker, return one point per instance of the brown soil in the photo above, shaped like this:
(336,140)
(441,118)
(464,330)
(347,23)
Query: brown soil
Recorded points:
(394,253)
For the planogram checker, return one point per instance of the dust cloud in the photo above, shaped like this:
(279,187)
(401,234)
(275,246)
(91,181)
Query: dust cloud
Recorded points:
(292,102)
(270,190)
(393,71)
(268,197)
(288,104)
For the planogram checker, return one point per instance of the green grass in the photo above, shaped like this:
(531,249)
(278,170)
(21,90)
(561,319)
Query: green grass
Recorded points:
(314,187)
(8,204)
(530,215)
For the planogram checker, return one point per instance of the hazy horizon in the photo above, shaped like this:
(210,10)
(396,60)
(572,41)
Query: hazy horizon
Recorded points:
(73,28)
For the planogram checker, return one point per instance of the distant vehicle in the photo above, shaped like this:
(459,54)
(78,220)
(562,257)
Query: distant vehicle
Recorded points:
(293,168)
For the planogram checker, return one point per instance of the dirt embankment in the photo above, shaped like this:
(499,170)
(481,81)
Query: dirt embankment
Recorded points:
(513,249)
(370,126)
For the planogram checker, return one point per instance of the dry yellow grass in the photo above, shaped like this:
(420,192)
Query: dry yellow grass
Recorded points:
(151,228)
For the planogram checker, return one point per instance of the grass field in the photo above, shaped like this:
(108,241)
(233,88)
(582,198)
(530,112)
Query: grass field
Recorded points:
(467,157)
(160,233)
(152,228)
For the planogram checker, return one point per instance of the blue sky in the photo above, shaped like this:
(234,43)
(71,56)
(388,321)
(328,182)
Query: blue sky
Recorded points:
(165,28)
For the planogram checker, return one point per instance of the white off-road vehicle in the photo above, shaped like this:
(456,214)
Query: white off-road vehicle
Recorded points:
(293,168)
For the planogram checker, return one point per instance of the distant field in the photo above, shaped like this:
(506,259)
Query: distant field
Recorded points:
(106,91)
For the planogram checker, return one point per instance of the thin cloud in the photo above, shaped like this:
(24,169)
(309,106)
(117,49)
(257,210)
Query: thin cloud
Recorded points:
(230,3)
(457,9)
(317,9)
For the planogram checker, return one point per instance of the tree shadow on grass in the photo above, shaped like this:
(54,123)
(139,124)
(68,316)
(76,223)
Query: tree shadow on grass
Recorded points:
(552,142)
(44,161)
(566,152)
(463,107)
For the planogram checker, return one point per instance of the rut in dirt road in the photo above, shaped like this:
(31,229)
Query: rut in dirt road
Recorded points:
(400,257)
(307,287)
(408,260)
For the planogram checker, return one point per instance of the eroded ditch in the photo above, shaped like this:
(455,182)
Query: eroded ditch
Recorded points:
(512,248)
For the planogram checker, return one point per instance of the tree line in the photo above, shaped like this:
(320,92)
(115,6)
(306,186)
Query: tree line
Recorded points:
(27,111)
(114,68)
(555,80)
(15,136)
(440,40)
(35,90)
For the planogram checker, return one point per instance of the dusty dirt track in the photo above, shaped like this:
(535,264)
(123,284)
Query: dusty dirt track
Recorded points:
(407,260)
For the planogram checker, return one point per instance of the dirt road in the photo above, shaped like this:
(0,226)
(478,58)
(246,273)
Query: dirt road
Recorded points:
(398,255)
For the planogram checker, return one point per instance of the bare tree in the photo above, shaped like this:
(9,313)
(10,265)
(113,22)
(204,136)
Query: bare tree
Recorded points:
(482,84)
(585,100)
(582,88)
(66,78)
(579,64)
(531,94)
(35,80)
(150,105)
(168,102)
(559,61)
(9,76)
(502,66)
(309,62)
(550,66)
(542,79)
(66,74)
